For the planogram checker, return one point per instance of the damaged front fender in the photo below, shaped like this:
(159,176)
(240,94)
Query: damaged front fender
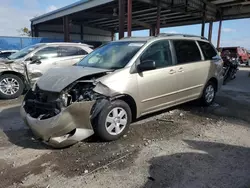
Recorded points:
(105,90)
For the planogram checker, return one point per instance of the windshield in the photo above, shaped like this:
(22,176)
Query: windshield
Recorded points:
(114,55)
(22,53)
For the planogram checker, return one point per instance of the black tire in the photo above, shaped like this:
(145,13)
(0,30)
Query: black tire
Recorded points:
(18,92)
(99,124)
(203,99)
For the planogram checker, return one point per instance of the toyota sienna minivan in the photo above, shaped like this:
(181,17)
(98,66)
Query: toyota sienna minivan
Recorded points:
(119,82)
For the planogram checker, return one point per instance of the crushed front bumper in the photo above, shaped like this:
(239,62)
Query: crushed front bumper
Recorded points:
(67,128)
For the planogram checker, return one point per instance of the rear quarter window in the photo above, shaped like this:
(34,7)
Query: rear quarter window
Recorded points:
(207,50)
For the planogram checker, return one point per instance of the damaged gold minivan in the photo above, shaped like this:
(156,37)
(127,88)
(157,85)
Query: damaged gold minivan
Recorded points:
(118,83)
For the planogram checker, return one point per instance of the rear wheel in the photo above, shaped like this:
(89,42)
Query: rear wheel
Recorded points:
(11,86)
(208,95)
(113,121)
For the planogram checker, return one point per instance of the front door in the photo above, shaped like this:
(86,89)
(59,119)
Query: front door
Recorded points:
(48,56)
(157,87)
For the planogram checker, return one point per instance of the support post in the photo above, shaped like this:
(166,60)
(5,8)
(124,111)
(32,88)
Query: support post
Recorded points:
(158,23)
(219,34)
(81,32)
(34,31)
(121,18)
(152,31)
(112,35)
(203,28)
(203,20)
(129,18)
(66,28)
(210,31)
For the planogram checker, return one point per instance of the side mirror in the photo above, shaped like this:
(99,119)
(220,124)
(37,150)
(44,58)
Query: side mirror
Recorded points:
(146,65)
(216,58)
(35,60)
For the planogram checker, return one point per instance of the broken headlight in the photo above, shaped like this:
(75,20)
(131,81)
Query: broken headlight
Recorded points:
(66,99)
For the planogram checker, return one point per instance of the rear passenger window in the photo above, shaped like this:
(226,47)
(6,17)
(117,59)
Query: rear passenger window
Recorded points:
(186,51)
(207,50)
(71,51)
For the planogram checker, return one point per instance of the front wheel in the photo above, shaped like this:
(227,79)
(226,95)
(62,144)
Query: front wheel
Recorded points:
(113,121)
(208,94)
(11,86)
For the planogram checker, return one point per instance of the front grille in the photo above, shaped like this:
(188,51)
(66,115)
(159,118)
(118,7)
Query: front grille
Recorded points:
(43,103)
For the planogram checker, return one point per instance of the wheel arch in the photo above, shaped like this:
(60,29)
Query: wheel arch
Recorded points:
(130,101)
(21,76)
(215,81)
(14,73)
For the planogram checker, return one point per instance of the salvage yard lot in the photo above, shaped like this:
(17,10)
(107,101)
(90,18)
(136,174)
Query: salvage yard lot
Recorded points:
(186,146)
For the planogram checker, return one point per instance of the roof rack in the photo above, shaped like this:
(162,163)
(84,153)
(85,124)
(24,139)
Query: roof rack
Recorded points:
(179,34)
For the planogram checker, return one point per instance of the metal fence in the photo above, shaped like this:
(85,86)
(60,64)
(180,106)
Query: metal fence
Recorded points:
(17,43)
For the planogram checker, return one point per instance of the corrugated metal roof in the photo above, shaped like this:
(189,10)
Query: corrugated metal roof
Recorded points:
(103,14)
(70,9)
(60,9)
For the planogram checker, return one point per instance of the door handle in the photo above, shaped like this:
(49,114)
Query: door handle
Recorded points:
(181,69)
(172,71)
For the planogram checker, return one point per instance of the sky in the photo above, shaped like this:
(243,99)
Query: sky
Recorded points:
(16,14)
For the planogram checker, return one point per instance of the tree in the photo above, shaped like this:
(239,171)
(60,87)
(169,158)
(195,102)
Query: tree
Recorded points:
(25,32)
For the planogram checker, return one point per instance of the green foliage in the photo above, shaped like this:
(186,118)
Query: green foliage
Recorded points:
(25,32)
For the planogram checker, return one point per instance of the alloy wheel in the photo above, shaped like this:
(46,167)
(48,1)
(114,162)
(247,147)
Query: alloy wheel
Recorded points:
(209,94)
(9,86)
(116,121)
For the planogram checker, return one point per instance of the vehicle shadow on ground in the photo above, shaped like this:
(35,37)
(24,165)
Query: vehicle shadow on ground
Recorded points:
(16,131)
(214,165)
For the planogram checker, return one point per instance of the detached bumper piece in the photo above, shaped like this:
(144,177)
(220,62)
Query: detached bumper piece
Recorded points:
(68,127)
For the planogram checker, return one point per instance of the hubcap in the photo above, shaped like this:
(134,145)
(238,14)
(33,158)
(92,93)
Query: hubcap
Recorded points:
(116,121)
(209,94)
(9,86)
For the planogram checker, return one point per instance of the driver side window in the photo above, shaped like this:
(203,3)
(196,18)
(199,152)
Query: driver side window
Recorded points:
(48,52)
(160,53)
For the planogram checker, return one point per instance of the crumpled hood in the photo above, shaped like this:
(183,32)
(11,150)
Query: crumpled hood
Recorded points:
(6,64)
(56,79)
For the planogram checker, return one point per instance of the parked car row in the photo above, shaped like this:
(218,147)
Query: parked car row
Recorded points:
(112,86)
(21,69)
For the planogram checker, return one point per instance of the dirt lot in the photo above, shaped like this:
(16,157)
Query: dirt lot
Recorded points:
(187,146)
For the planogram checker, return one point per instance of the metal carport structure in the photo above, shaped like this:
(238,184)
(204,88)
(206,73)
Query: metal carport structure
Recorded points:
(98,20)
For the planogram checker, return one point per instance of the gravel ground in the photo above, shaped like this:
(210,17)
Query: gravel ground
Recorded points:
(186,146)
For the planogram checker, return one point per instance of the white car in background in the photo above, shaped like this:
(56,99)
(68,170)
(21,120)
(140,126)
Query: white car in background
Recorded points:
(20,70)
